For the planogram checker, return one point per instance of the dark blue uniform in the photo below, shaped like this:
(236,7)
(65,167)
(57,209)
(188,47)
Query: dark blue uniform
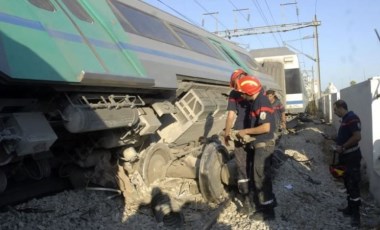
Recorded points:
(237,103)
(241,106)
(262,112)
(351,157)
(278,110)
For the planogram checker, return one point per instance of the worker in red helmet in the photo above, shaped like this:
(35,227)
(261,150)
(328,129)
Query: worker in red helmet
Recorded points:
(238,118)
(262,128)
(236,75)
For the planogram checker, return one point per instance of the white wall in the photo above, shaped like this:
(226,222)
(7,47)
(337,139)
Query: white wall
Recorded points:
(335,118)
(326,104)
(362,99)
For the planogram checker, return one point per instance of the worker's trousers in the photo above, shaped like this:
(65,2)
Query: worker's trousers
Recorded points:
(261,173)
(243,157)
(352,172)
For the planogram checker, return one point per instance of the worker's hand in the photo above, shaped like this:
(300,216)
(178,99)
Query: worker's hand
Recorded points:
(241,133)
(283,125)
(227,138)
(339,149)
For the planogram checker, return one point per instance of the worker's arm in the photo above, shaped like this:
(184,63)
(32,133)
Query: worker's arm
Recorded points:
(263,128)
(231,115)
(353,140)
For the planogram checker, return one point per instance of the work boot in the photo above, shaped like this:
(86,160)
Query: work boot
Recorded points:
(247,208)
(355,219)
(355,213)
(347,211)
(264,212)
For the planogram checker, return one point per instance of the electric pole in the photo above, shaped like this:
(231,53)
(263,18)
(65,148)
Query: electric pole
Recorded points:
(215,17)
(281,28)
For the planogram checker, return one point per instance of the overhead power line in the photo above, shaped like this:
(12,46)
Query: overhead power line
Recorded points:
(266,29)
(179,13)
(207,12)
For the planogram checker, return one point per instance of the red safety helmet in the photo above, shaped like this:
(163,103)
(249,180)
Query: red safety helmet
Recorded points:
(249,85)
(235,75)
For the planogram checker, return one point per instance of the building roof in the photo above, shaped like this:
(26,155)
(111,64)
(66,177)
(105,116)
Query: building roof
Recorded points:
(269,52)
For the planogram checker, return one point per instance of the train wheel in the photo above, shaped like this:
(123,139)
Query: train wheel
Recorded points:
(213,158)
(155,162)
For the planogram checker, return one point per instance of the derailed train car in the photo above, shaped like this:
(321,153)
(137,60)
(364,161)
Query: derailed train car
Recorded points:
(115,91)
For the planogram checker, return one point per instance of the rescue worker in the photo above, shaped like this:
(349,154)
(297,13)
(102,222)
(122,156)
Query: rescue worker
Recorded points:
(262,128)
(347,141)
(279,112)
(238,118)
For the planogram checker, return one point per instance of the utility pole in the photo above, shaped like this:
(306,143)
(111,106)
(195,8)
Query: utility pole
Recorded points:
(281,28)
(215,17)
(238,10)
(317,58)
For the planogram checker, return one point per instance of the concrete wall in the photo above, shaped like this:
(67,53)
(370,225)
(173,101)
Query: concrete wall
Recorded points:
(364,99)
(335,119)
(326,104)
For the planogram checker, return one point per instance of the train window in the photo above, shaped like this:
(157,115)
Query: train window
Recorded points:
(293,81)
(76,8)
(124,23)
(43,4)
(248,60)
(195,42)
(146,25)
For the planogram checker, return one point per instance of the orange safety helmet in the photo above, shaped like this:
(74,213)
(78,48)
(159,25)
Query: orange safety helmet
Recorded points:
(249,85)
(235,75)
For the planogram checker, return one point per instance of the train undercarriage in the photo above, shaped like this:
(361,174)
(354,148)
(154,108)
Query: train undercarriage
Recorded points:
(126,142)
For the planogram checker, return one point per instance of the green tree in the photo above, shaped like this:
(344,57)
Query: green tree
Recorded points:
(352,83)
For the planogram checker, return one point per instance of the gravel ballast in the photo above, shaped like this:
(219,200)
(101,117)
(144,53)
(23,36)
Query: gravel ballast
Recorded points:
(307,195)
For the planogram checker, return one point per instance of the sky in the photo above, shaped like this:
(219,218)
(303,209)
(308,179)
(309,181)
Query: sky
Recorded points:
(349,49)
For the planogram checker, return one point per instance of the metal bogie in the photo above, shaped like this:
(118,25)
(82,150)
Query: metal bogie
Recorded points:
(185,167)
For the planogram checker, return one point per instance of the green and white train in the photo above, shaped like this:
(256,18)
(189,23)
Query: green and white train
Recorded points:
(116,89)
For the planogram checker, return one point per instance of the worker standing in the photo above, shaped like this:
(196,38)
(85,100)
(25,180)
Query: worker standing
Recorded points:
(349,135)
(262,128)
(238,118)
(279,112)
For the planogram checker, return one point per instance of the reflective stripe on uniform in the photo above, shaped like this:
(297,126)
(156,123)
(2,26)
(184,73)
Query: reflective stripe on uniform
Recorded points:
(243,180)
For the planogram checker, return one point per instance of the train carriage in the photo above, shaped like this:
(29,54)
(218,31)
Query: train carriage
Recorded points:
(115,88)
